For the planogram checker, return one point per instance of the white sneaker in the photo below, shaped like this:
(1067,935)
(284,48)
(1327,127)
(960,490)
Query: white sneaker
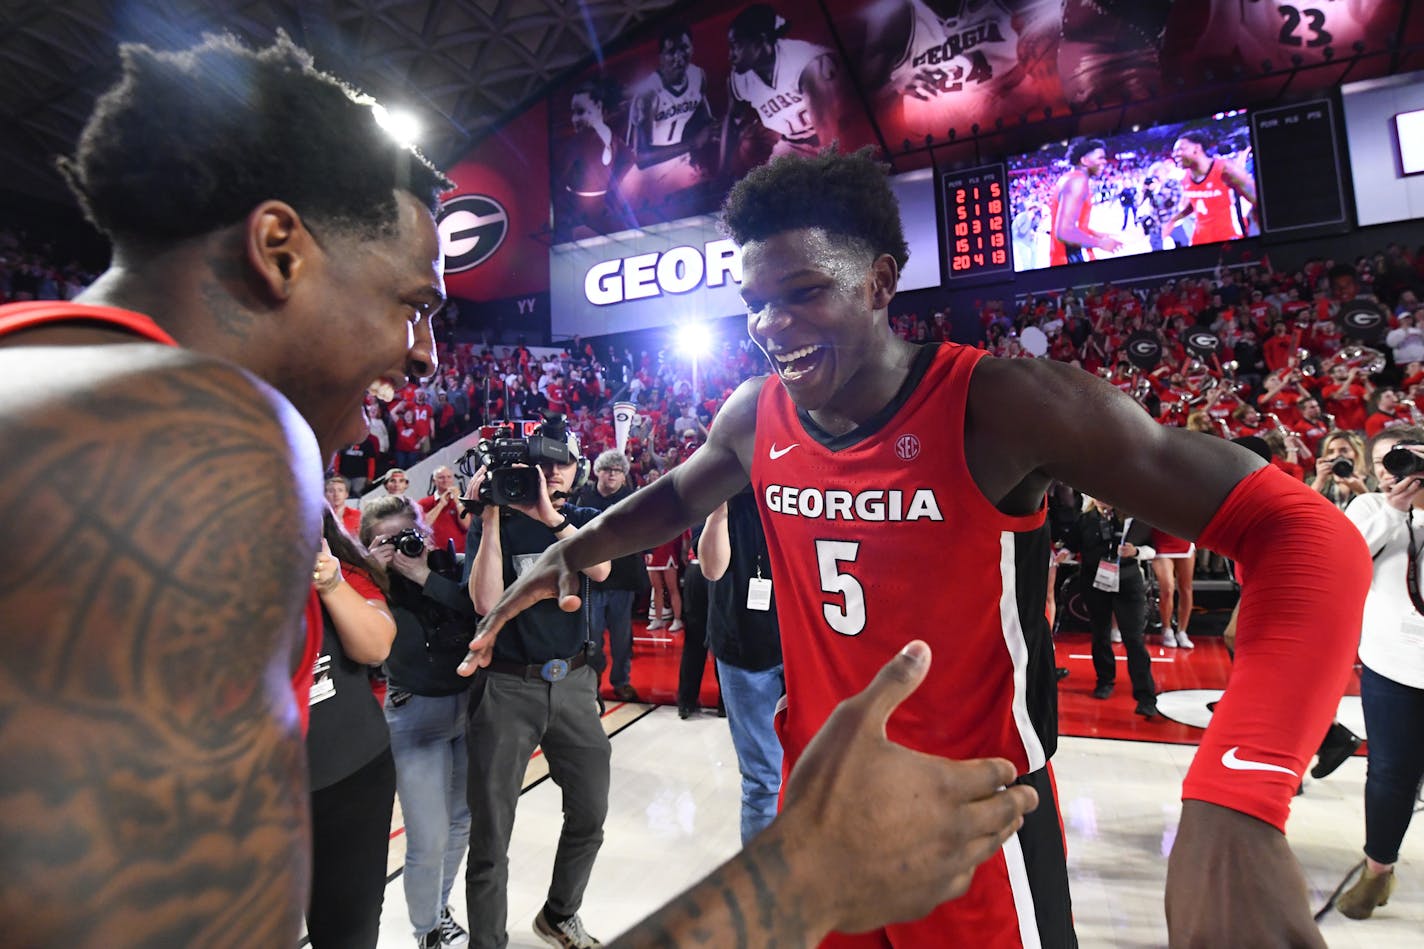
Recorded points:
(656,624)
(569,934)
(1115,636)
(676,625)
(1183,641)
(1169,639)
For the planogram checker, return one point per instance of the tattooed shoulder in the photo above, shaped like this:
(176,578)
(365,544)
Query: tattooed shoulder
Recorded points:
(159,519)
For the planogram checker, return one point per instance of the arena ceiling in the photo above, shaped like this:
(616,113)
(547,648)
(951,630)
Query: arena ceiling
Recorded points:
(460,65)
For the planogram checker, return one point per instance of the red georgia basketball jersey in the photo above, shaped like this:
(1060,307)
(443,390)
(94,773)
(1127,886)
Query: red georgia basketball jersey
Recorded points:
(1211,200)
(1057,250)
(886,540)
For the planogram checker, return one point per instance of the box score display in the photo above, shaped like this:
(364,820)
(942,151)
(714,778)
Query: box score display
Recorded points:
(977,222)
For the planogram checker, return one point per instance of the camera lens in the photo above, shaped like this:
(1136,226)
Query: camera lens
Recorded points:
(1401,462)
(1342,467)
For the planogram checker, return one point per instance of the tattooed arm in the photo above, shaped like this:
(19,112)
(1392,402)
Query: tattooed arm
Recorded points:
(871,833)
(159,524)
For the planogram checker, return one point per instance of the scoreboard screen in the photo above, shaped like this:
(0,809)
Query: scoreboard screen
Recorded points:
(1299,169)
(976,225)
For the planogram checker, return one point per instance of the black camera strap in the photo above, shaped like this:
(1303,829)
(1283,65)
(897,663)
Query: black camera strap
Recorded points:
(1411,579)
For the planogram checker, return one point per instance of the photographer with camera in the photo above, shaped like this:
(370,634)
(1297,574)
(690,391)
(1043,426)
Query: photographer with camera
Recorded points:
(1392,659)
(1110,547)
(426,706)
(538,691)
(1340,475)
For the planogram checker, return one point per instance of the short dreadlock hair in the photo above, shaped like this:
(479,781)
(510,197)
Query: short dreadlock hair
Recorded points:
(188,142)
(847,196)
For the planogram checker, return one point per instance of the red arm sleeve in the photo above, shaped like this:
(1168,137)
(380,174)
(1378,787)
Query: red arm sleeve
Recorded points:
(1297,632)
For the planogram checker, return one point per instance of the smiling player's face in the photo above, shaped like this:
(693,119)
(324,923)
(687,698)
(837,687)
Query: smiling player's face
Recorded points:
(811,307)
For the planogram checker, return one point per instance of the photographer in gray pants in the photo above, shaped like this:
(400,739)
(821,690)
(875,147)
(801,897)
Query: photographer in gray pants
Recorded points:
(538,691)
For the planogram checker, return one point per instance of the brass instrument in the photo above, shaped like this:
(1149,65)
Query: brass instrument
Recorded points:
(1286,434)
(1360,358)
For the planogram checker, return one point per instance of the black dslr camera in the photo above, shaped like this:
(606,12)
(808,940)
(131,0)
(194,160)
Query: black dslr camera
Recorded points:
(499,455)
(1342,467)
(1401,462)
(408,542)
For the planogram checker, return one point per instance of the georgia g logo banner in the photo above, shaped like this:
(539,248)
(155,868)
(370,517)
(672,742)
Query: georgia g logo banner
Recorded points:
(472,228)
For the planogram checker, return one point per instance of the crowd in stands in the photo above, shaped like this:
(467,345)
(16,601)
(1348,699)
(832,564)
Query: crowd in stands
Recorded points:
(1287,369)
(28,272)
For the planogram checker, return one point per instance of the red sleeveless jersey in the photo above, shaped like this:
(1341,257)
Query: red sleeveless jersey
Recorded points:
(881,537)
(1057,250)
(15,317)
(1212,199)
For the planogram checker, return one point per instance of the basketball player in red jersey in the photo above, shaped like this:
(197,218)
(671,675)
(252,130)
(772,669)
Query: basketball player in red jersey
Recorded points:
(1209,191)
(154,789)
(1071,207)
(873,457)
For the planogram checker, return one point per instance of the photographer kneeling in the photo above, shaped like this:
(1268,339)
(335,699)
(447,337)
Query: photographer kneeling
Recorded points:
(538,691)
(426,706)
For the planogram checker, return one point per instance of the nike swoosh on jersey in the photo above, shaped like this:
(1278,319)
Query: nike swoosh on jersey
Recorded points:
(1230,760)
(778,452)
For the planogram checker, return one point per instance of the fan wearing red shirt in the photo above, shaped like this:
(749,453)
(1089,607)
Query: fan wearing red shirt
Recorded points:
(444,514)
(1281,392)
(1310,425)
(871,457)
(337,493)
(204,377)
(1279,349)
(1345,398)
(1388,411)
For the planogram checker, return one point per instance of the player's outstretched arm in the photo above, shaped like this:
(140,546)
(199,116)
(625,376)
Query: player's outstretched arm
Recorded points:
(831,861)
(648,517)
(159,535)
(1296,636)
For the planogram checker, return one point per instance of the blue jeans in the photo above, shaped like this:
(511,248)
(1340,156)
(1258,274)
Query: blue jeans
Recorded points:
(751,699)
(428,741)
(1394,724)
(613,609)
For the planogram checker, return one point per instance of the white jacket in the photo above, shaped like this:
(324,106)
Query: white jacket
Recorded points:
(1385,646)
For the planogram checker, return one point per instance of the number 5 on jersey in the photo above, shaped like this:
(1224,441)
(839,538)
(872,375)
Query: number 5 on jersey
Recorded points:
(847,618)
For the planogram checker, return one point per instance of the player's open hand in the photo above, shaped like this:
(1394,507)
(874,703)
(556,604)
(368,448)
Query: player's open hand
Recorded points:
(1233,881)
(551,576)
(887,833)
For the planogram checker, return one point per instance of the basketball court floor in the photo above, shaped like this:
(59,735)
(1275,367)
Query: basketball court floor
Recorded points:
(675,794)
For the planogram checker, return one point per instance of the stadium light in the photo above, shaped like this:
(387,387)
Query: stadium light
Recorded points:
(399,124)
(693,341)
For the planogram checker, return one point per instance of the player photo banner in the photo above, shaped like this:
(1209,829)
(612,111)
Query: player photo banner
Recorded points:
(931,66)
(660,130)
(1172,185)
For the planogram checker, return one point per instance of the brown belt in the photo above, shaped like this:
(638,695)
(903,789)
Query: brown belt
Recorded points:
(551,671)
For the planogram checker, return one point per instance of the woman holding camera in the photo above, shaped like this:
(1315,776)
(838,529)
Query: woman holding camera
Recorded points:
(1392,659)
(1340,474)
(426,705)
(352,774)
